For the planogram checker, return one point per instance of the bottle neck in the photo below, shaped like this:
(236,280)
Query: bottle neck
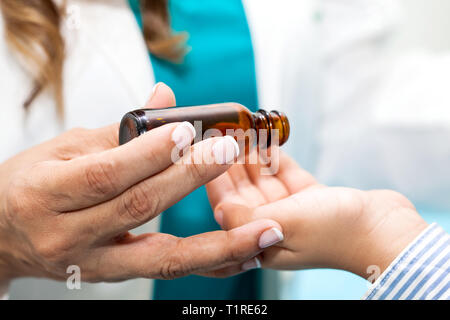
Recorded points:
(272,127)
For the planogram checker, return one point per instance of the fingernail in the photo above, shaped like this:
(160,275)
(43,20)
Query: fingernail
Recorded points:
(225,150)
(155,88)
(270,237)
(183,135)
(251,264)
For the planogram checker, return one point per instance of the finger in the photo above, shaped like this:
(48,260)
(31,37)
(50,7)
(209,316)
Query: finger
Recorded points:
(104,138)
(232,187)
(244,186)
(292,175)
(224,272)
(233,215)
(253,263)
(273,257)
(281,258)
(95,178)
(166,257)
(220,188)
(203,162)
(162,97)
(270,187)
(265,179)
(307,207)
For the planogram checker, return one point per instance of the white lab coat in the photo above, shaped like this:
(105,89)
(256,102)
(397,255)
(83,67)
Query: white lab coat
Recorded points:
(320,61)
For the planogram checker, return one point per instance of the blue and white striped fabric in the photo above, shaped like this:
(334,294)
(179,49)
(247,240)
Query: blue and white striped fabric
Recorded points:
(421,271)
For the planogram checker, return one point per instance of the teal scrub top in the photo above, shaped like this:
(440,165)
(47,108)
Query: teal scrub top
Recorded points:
(219,68)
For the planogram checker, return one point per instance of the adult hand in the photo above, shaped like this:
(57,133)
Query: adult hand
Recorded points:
(324,227)
(72,201)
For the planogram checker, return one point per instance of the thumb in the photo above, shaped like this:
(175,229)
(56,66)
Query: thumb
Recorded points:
(224,249)
(163,256)
(231,215)
(162,97)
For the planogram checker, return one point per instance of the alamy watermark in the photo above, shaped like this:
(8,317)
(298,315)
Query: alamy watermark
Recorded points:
(375,272)
(252,145)
(73,282)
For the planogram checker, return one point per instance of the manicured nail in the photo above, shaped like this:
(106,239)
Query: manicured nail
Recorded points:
(155,88)
(251,264)
(270,237)
(225,150)
(183,135)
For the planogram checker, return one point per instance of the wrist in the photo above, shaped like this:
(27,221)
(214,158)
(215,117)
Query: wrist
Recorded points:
(387,233)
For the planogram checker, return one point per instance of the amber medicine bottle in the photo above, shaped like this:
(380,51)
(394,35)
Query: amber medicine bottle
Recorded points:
(223,117)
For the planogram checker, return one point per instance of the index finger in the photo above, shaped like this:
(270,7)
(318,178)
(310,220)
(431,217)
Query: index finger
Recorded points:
(96,178)
(163,256)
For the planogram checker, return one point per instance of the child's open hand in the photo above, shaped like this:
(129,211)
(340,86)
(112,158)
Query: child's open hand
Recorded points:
(329,227)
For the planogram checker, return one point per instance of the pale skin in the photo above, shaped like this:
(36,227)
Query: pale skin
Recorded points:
(72,201)
(324,227)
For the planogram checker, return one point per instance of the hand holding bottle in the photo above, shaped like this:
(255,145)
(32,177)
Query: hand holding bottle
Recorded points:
(323,227)
(73,199)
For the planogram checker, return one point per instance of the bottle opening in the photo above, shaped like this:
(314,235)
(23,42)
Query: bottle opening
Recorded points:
(280,122)
(270,121)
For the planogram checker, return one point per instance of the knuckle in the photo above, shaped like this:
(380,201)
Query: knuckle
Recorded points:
(78,131)
(16,201)
(67,138)
(198,172)
(55,250)
(100,178)
(232,254)
(171,269)
(138,205)
(27,194)
(153,156)
(175,265)
(68,144)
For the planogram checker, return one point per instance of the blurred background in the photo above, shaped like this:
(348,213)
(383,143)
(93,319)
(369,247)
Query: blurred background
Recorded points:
(424,28)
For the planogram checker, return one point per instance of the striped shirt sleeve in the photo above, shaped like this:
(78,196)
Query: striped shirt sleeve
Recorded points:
(420,272)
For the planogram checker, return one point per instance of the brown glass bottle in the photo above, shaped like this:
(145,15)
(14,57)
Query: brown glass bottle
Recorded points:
(223,116)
